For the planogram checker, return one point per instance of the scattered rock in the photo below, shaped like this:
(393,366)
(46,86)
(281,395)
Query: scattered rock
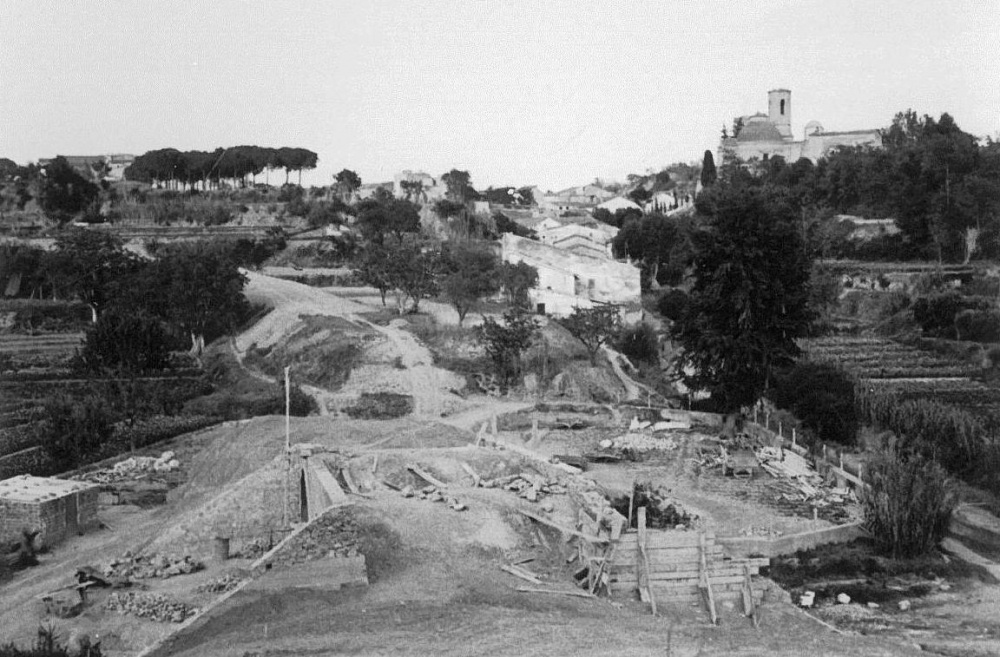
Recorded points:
(154,565)
(873,605)
(843,599)
(904,605)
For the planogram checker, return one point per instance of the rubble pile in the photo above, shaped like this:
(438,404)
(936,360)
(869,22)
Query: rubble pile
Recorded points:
(150,605)
(531,487)
(253,549)
(227,582)
(639,443)
(332,535)
(130,566)
(434,494)
(133,467)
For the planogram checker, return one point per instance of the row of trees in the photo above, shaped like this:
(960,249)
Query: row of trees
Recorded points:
(175,168)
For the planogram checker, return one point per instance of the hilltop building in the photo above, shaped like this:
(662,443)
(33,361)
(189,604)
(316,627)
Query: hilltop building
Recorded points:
(768,135)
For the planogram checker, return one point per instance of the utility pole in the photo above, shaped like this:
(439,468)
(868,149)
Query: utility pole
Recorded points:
(288,451)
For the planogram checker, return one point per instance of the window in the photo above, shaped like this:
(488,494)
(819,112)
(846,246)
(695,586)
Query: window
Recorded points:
(782,106)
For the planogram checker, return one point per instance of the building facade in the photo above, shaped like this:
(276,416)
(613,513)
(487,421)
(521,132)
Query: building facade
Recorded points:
(762,136)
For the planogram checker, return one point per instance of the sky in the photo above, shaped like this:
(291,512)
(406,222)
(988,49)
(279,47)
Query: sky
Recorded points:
(524,92)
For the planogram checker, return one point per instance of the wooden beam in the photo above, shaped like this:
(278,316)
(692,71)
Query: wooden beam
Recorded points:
(476,480)
(561,528)
(644,560)
(706,587)
(575,594)
(521,573)
(425,476)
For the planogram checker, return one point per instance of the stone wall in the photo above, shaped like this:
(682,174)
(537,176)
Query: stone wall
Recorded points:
(48,516)
(28,461)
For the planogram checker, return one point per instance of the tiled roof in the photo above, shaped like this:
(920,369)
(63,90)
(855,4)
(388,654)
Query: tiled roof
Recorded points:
(759,131)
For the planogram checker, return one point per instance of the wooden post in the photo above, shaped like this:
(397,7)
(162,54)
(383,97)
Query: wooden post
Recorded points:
(781,430)
(645,590)
(755,409)
(493,424)
(704,583)
(793,436)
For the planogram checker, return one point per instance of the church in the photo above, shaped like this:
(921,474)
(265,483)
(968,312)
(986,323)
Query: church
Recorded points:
(763,136)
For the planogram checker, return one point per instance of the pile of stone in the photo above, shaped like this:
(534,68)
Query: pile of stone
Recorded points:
(531,487)
(130,566)
(639,443)
(434,494)
(132,468)
(334,535)
(153,606)
(253,549)
(227,582)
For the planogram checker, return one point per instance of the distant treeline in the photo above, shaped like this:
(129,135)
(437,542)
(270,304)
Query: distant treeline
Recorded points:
(236,163)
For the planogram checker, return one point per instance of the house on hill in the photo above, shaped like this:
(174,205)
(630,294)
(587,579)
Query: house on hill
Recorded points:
(768,135)
(619,203)
(568,280)
(584,240)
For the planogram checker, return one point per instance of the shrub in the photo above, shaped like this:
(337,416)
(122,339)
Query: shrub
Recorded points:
(124,340)
(978,325)
(822,397)
(672,304)
(936,313)
(75,429)
(640,343)
(47,645)
(380,406)
(908,504)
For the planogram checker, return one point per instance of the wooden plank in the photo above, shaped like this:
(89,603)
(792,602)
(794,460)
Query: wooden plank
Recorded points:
(643,571)
(657,539)
(472,473)
(706,586)
(657,558)
(517,573)
(561,528)
(425,476)
(687,580)
(575,594)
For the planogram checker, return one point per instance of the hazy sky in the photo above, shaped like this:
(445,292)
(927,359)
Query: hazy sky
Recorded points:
(527,92)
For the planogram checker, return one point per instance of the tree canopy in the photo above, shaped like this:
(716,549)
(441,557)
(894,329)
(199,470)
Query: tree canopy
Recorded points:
(750,298)
(235,163)
(64,192)
(470,273)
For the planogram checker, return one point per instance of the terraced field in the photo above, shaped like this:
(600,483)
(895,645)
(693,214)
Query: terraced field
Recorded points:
(910,372)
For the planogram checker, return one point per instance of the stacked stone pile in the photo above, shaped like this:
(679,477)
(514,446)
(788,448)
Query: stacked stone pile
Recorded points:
(227,582)
(333,536)
(153,606)
(532,487)
(434,494)
(130,566)
(639,442)
(132,468)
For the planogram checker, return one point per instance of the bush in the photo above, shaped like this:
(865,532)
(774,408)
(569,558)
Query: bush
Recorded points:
(380,406)
(46,645)
(822,397)
(978,325)
(672,304)
(124,340)
(908,504)
(640,343)
(937,313)
(75,429)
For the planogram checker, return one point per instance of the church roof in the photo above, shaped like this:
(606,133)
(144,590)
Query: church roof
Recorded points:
(759,131)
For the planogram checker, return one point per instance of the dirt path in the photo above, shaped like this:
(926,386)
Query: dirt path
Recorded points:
(429,386)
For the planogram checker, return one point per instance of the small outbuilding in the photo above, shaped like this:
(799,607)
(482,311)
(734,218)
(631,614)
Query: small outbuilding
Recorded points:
(56,508)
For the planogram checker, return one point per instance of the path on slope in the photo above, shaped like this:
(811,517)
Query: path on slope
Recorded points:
(429,386)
